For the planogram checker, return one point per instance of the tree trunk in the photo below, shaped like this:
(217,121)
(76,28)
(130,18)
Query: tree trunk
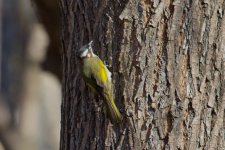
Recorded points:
(48,12)
(167,59)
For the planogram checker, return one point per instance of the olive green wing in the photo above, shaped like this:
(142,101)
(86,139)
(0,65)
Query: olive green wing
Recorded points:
(102,78)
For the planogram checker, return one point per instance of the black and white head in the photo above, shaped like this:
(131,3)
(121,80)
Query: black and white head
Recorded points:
(86,51)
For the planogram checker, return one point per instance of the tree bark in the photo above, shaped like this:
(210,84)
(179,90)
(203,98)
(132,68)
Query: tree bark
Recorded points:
(167,59)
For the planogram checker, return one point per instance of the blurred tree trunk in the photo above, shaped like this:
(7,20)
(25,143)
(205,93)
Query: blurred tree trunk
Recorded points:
(48,13)
(167,60)
(16,22)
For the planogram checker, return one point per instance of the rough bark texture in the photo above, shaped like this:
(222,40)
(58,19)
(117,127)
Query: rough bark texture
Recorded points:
(167,60)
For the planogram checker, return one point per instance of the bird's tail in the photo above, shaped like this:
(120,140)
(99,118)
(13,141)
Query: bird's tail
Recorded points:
(113,112)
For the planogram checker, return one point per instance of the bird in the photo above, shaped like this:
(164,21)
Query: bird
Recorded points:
(98,78)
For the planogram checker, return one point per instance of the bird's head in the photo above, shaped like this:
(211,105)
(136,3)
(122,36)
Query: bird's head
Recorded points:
(86,51)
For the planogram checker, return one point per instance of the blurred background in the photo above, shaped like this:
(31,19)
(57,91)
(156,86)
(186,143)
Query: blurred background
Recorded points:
(30,75)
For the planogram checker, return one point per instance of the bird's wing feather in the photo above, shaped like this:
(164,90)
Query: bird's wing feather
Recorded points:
(102,78)
(101,74)
(98,77)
